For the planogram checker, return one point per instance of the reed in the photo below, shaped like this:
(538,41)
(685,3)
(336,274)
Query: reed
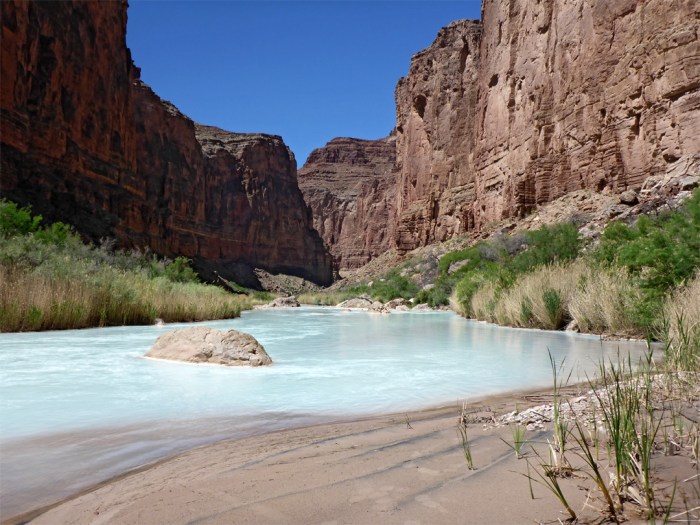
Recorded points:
(605,301)
(681,329)
(548,476)
(519,433)
(462,431)
(30,300)
(561,426)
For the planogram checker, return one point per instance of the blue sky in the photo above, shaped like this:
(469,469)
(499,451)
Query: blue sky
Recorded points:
(306,70)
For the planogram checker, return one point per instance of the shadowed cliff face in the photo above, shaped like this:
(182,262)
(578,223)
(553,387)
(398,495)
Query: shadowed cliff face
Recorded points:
(84,141)
(349,186)
(68,142)
(544,99)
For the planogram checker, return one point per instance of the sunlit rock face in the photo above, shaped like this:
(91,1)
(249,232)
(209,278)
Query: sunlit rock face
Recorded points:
(435,126)
(349,186)
(86,142)
(540,99)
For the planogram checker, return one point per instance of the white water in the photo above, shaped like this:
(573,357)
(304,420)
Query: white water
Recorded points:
(79,406)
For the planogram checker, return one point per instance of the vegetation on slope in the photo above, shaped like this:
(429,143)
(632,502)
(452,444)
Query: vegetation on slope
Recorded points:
(50,279)
(621,286)
(547,278)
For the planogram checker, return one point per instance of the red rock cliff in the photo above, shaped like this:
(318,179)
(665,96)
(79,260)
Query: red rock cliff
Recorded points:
(552,97)
(435,124)
(84,141)
(349,186)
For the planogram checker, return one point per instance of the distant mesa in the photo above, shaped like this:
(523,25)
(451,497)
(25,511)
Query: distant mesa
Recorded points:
(200,344)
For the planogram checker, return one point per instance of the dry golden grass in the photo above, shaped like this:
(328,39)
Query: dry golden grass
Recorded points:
(540,299)
(31,301)
(484,302)
(682,311)
(599,300)
(604,301)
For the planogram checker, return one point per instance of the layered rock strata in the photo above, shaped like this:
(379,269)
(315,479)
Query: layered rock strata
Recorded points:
(349,186)
(86,142)
(541,99)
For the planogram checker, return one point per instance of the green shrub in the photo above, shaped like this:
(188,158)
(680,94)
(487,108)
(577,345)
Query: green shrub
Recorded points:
(547,245)
(392,286)
(57,234)
(438,295)
(553,304)
(660,252)
(17,221)
(179,271)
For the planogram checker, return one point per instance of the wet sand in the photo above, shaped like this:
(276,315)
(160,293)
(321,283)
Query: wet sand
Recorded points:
(402,468)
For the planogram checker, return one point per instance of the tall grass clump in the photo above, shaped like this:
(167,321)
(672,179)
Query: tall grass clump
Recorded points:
(605,301)
(50,280)
(682,327)
(540,299)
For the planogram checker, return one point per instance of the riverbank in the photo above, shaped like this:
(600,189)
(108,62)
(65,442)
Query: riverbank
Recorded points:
(391,469)
(51,280)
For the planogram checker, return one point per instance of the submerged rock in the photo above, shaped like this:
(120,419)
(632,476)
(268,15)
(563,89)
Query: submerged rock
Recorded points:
(200,344)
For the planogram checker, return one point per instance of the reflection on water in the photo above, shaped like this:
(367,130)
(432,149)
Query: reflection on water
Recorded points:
(79,406)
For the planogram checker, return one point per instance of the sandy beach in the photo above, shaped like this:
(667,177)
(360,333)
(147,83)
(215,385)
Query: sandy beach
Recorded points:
(402,468)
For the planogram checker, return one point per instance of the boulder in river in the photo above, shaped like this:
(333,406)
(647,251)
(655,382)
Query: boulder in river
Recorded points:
(199,344)
(283,302)
(396,304)
(422,307)
(356,302)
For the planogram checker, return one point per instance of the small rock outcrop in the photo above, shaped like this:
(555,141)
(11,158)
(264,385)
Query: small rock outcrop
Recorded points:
(283,302)
(398,304)
(349,186)
(357,302)
(200,344)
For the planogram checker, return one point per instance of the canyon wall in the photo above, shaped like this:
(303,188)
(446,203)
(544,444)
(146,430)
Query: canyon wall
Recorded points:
(435,107)
(541,99)
(86,142)
(349,186)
